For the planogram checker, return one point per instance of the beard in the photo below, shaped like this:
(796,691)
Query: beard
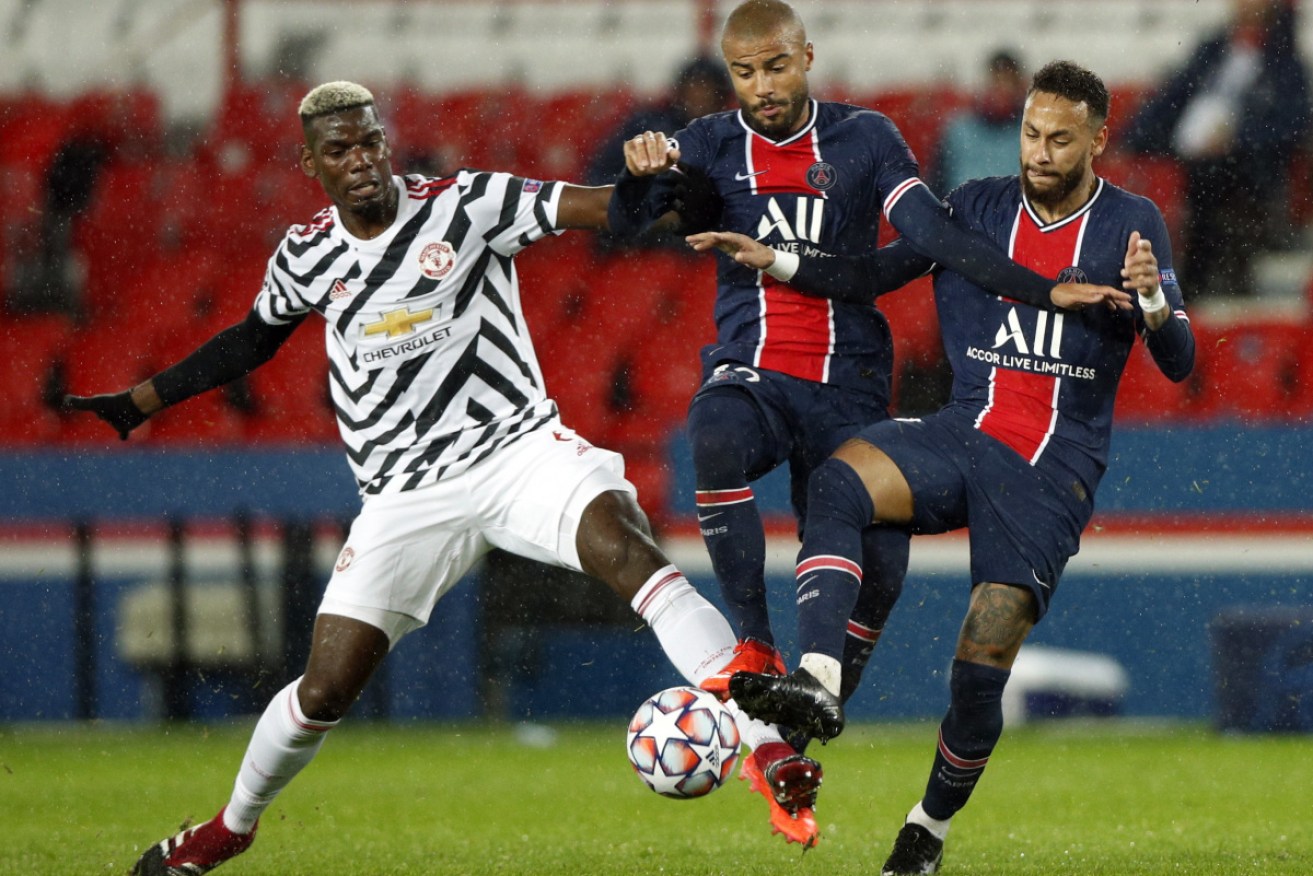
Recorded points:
(1065,184)
(784,123)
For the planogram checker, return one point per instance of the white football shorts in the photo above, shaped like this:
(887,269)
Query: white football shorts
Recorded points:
(406,550)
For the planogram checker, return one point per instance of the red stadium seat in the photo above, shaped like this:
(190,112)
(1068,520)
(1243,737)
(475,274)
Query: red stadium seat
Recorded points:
(1160,179)
(1146,396)
(291,394)
(1265,371)
(30,347)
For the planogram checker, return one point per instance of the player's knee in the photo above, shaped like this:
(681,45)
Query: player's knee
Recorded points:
(835,493)
(615,542)
(720,429)
(324,701)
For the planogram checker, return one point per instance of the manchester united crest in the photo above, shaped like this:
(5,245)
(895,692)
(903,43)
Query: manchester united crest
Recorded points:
(436,260)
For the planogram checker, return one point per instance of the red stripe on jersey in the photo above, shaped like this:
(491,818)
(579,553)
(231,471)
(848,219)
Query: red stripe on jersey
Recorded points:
(826,561)
(1022,410)
(797,332)
(901,189)
(1023,406)
(430,189)
(1047,250)
(777,168)
(711,498)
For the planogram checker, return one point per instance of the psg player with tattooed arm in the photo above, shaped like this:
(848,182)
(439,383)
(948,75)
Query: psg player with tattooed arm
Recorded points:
(792,376)
(453,442)
(1017,453)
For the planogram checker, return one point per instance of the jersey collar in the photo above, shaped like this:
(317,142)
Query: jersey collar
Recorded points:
(1084,208)
(806,129)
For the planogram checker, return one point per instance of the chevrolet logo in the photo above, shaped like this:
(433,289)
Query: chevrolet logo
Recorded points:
(398,322)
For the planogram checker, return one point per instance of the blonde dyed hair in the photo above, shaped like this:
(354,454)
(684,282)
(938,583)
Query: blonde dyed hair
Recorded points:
(334,97)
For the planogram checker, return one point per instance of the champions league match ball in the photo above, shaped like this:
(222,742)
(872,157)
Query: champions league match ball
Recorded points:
(683,743)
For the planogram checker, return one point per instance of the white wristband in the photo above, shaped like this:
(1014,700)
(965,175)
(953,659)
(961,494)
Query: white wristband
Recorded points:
(1153,303)
(784,266)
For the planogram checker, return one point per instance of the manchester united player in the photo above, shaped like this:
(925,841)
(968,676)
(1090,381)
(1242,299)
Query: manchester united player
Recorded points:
(453,440)
(1016,455)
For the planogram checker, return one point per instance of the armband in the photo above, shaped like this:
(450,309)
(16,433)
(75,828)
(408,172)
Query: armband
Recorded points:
(784,266)
(1153,303)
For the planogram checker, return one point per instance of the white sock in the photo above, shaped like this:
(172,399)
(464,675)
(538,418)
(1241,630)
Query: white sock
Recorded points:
(934,825)
(695,636)
(283,743)
(753,732)
(824,669)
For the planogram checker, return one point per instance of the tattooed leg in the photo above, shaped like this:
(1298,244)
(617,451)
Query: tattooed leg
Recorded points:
(997,622)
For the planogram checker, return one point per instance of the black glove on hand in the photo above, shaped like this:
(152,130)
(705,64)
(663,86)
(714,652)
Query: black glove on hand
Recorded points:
(696,201)
(117,409)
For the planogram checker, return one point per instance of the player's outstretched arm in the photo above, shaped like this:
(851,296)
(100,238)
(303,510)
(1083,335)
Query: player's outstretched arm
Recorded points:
(232,353)
(124,411)
(924,221)
(857,279)
(584,207)
(1167,334)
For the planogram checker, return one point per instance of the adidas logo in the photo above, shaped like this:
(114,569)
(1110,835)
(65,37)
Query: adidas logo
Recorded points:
(339,291)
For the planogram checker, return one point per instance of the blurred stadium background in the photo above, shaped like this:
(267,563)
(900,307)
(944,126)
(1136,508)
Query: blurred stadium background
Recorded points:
(175,574)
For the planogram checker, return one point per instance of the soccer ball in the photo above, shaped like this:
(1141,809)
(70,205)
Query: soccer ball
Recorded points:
(683,743)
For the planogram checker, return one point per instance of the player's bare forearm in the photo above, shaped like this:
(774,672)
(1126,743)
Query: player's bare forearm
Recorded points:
(584,207)
(145,397)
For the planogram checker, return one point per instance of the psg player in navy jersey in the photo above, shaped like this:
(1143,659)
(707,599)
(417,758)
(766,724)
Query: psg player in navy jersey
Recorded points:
(1017,453)
(792,376)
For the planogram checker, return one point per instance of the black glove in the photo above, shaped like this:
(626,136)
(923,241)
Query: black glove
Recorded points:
(696,201)
(117,409)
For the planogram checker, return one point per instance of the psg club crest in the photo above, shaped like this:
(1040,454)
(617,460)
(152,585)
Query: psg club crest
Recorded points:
(1072,275)
(821,176)
(436,260)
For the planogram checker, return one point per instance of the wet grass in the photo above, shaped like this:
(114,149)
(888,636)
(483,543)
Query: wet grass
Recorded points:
(434,799)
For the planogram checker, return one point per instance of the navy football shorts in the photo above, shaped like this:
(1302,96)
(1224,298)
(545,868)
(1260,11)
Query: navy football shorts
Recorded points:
(1023,524)
(805,421)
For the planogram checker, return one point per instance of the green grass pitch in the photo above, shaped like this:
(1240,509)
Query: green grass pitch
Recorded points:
(385,799)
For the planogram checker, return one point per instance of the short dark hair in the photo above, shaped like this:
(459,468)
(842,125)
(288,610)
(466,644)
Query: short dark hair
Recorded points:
(1076,84)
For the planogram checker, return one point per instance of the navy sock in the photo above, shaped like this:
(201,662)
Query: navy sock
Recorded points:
(830,564)
(967,737)
(732,531)
(884,566)
(725,430)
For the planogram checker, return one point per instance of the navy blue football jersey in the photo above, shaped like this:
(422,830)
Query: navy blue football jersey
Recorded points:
(821,190)
(1042,382)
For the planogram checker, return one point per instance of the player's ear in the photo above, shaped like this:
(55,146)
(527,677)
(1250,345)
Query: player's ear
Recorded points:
(810,54)
(1100,141)
(307,162)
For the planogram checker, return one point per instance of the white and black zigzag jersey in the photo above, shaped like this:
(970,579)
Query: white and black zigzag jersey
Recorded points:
(431,366)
